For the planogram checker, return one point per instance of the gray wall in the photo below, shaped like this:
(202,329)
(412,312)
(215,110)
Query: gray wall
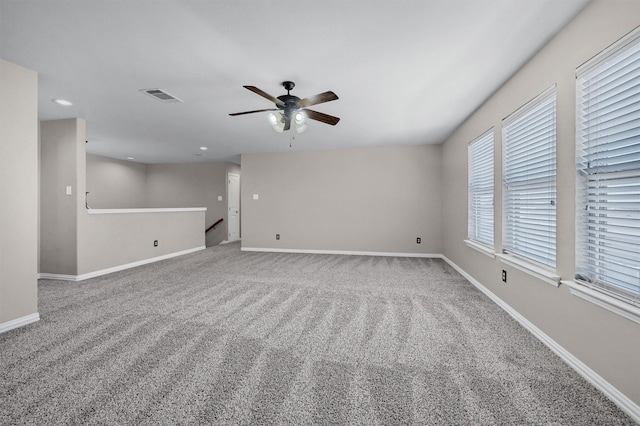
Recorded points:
(115,183)
(75,243)
(19,192)
(193,185)
(111,240)
(607,343)
(59,151)
(366,199)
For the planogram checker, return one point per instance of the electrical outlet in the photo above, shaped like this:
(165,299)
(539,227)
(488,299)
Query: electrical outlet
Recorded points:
(277,236)
(504,276)
(418,240)
(155,243)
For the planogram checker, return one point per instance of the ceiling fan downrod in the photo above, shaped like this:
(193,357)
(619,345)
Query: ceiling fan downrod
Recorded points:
(288,86)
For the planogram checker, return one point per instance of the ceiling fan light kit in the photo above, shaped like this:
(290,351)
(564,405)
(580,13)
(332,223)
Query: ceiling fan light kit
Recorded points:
(277,120)
(291,109)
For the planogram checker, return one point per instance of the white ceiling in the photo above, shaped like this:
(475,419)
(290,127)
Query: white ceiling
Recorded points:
(406,72)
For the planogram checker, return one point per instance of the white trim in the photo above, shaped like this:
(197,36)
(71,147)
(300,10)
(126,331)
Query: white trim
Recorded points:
(106,271)
(539,272)
(154,210)
(19,322)
(481,162)
(613,49)
(60,277)
(530,105)
(229,240)
(486,250)
(618,398)
(341,252)
(609,303)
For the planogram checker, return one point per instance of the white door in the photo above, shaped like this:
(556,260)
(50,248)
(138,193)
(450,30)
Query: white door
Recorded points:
(234,207)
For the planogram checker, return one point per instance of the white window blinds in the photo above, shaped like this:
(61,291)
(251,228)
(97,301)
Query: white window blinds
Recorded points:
(481,189)
(608,162)
(529,180)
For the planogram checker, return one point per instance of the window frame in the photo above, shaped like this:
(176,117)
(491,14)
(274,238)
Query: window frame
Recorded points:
(481,183)
(524,214)
(596,188)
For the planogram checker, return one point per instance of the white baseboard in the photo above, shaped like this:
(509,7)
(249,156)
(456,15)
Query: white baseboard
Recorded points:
(61,277)
(342,252)
(94,274)
(229,242)
(19,322)
(618,398)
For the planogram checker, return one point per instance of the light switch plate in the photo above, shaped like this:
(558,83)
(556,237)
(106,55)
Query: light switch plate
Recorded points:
(256,196)
(219,197)
(69,190)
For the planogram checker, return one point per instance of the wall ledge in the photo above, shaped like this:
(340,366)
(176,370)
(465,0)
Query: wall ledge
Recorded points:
(82,277)
(19,322)
(151,210)
(611,392)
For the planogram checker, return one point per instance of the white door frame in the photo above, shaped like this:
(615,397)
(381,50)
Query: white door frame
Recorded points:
(230,205)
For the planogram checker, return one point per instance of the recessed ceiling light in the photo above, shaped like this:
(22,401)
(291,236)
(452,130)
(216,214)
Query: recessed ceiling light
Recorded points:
(203,148)
(130,158)
(63,102)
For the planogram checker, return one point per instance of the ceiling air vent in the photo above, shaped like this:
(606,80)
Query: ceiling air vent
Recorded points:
(161,95)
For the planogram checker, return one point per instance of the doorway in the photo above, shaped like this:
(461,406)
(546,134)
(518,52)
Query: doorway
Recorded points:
(233,180)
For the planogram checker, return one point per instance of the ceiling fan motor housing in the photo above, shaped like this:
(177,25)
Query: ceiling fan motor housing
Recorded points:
(290,104)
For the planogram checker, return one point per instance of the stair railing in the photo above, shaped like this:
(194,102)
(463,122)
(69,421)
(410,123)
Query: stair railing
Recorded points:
(214,225)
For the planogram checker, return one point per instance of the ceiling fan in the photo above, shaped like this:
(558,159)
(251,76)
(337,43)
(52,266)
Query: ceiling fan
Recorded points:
(290,108)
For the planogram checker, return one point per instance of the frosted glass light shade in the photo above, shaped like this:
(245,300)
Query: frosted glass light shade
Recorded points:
(276,119)
(300,121)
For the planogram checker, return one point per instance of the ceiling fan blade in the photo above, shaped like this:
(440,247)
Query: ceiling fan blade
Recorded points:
(264,94)
(319,116)
(317,99)
(233,114)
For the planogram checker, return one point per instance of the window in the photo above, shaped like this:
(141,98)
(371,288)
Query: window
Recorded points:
(608,166)
(529,180)
(481,189)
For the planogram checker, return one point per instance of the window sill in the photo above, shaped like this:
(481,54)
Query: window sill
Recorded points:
(609,303)
(486,250)
(539,272)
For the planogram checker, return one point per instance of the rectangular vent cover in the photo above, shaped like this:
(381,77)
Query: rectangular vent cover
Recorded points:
(161,95)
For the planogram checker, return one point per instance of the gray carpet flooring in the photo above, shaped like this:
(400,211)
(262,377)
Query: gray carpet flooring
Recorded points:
(225,337)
